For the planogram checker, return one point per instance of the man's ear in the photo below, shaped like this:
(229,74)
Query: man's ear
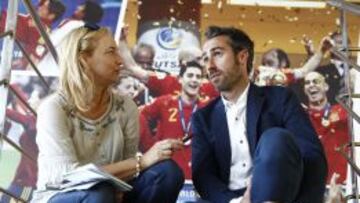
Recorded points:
(242,56)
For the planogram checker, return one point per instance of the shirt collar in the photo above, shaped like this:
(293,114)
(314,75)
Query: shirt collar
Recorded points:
(241,100)
(339,66)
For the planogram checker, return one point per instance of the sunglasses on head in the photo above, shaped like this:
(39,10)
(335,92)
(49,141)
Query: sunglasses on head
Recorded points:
(91,26)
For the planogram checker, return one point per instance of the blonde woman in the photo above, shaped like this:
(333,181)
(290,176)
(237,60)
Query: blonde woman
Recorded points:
(85,122)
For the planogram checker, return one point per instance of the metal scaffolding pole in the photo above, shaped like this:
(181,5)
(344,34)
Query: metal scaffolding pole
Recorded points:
(41,28)
(6,60)
(343,55)
(344,32)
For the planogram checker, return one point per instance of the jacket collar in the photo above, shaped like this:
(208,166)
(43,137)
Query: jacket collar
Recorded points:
(254,106)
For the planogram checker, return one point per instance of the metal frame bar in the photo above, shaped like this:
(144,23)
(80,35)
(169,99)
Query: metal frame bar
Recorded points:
(344,33)
(4,34)
(41,28)
(120,22)
(343,57)
(12,195)
(347,108)
(22,100)
(6,58)
(352,49)
(353,8)
(352,163)
(32,64)
(17,147)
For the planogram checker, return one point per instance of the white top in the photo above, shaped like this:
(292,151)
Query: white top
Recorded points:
(67,140)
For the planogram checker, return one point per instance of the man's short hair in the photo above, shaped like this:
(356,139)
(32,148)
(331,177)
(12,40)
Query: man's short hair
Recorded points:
(143,46)
(281,57)
(57,8)
(190,64)
(239,40)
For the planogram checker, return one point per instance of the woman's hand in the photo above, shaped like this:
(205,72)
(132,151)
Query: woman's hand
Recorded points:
(160,151)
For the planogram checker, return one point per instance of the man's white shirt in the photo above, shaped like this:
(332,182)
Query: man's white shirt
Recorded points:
(241,163)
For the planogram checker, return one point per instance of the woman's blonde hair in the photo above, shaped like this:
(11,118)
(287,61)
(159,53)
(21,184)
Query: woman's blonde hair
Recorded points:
(75,83)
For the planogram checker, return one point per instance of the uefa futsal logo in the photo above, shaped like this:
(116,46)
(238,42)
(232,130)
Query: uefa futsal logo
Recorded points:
(169,38)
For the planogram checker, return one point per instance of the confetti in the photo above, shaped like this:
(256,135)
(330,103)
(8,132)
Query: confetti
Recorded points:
(268,42)
(337,21)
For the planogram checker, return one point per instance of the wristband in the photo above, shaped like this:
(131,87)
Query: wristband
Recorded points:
(138,166)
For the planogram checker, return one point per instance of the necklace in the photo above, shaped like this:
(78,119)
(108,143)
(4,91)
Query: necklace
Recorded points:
(186,126)
(325,121)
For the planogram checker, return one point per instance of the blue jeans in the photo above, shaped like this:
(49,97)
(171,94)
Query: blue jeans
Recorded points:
(102,192)
(279,172)
(161,182)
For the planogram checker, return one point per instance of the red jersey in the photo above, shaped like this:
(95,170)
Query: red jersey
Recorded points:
(332,132)
(147,138)
(207,90)
(26,32)
(264,76)
(168,84)
(26,172)
(166,111)
(290,76)
(163,85)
